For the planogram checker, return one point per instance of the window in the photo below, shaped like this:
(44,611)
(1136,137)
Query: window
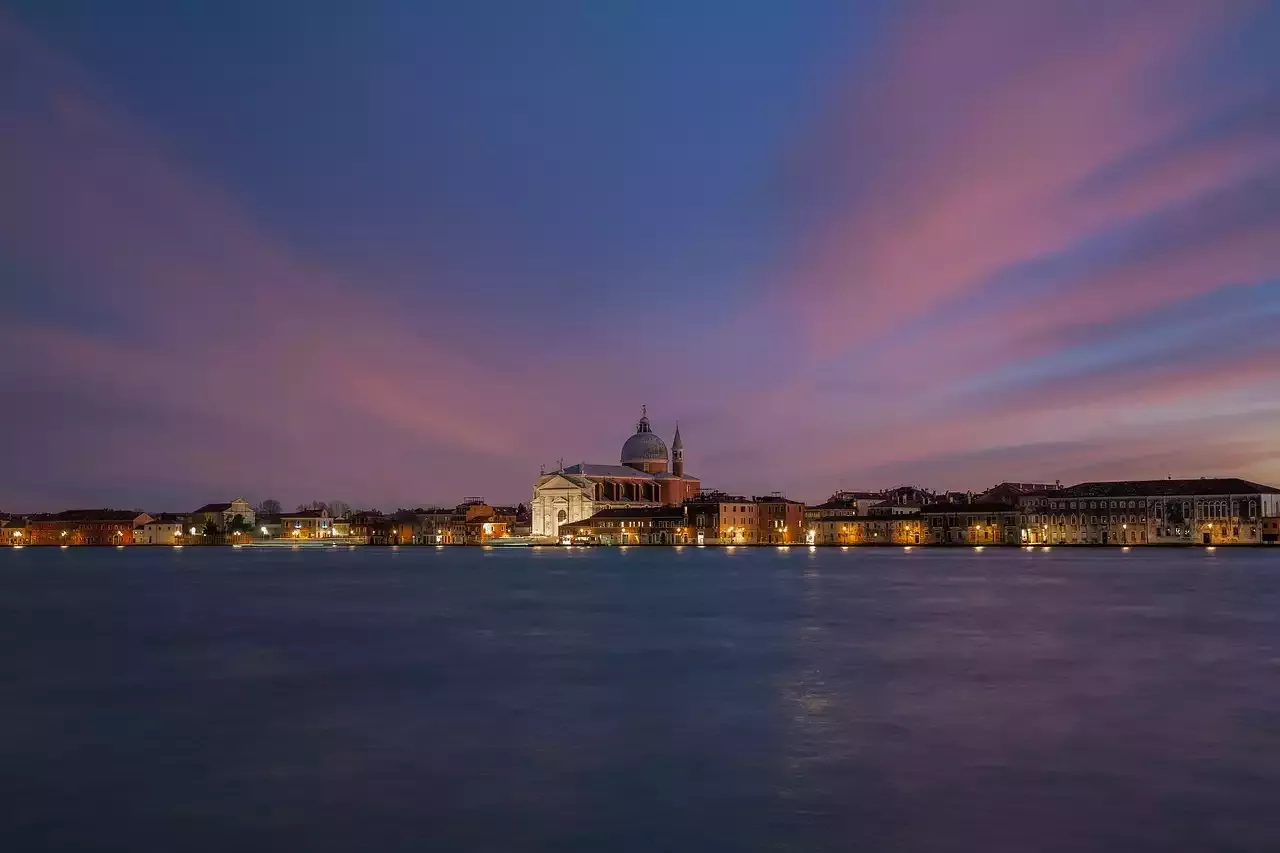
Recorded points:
(1113,504)
(1095,520)
(1092,505)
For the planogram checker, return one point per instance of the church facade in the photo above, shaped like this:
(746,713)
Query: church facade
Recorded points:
(647,477)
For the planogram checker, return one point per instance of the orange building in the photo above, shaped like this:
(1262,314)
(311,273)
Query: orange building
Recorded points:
(86,527)
(781,521)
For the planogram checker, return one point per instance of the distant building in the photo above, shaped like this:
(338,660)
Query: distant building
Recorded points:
(14,531)
(307,524)
(974,523)
(885,529)
(220,517)
(844,504)
(781,521)
(641,480)
(719,519)
(86,527)
(164,528)
(663,525)
(1207,511)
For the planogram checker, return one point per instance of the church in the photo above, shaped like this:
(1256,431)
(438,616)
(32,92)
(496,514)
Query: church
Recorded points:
(641,480)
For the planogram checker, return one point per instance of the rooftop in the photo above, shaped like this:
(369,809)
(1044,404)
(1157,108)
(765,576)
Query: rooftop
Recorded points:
(214,508)
(948,509)
(1160,488)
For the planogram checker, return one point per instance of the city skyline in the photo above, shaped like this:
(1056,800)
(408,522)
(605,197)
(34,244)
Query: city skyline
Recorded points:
(413,256)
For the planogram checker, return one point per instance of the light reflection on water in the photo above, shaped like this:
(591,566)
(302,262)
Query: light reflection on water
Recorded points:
(571,699)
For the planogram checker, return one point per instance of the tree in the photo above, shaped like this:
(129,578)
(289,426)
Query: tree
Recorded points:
(314,506)
(238,525)
(210,530)
(339,509)
(270,506)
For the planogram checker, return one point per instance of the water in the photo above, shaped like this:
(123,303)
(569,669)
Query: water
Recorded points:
(643,700)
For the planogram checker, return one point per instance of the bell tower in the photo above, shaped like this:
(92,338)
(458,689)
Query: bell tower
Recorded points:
(677,453)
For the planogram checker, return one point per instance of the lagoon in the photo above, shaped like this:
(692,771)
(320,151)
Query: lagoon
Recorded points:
(640,699)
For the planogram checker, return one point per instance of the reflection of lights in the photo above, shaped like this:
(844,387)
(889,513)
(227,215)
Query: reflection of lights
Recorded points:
(1211,548)
(65,547)
(907,548)
(1045,548)
(977,547)
(1125,548)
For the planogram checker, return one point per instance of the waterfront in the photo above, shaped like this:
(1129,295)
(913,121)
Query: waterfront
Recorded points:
(640,699)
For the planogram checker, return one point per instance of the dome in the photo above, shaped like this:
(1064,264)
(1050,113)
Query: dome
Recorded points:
(645,450)
(644,447)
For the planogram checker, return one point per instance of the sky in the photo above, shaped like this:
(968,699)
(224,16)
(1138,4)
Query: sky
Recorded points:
(401,253)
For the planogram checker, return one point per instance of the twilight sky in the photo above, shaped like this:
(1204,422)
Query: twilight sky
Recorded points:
(396,253)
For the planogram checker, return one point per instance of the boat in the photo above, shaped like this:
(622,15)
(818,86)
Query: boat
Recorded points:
(511,541)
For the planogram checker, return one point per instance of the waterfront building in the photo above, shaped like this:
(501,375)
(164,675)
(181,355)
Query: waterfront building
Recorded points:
(975,523)
(475,522)
(86,527)
(781,521)
(307,524)
(1207,511)
(164,528)
(720,519)
(13,531)
(662,525)
(844,504)
(221,518)
(642,480)
(884,529)
(895,508)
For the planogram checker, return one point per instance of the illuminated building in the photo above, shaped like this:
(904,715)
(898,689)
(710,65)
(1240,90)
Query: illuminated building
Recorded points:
(641,480)
(164,528)
(663,525)
(86,527)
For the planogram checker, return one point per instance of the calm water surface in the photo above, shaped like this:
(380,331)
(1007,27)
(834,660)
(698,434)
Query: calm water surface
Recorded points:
(641,700)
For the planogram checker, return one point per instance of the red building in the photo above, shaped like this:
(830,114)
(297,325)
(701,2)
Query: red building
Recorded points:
(86,527)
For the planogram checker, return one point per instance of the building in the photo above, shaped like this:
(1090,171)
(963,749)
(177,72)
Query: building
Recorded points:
(1205,511)
(781,521)
(884,529)
(13,531)
(975,523)
(307,524)
(164,528)
(844,504)
(663,525)
(719,519)
(86,527)
(219,519)
(642,480)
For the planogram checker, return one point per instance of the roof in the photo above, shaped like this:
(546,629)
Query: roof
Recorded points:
(213,508)
(90,515)
(587,469)
(1160,488)
(878,519)
(849,504)
(166,518)
(949,509)
(306,513)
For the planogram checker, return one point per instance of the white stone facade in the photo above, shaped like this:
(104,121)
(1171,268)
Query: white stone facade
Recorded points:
(559,499)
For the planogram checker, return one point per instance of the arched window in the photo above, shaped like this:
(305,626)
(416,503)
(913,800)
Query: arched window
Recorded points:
(562,516)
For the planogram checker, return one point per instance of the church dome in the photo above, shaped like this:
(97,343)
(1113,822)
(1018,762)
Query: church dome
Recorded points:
(644,447)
